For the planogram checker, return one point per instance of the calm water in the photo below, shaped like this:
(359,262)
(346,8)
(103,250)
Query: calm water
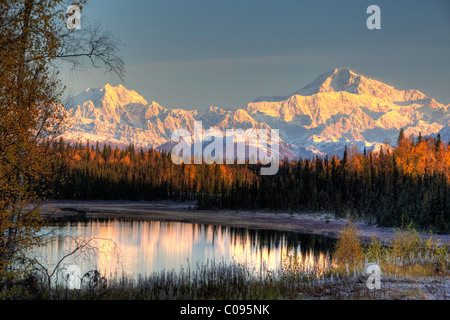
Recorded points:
(143,247)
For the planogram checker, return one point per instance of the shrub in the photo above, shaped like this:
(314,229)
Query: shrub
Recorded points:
(375,252)
(409,250)
(406,246)
(349,251)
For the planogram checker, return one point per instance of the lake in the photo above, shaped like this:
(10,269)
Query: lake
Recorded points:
(142,247)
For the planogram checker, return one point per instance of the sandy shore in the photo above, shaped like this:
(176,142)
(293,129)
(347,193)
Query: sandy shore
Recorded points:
(309,223)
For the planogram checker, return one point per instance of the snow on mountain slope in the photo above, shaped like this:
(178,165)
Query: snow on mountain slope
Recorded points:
(341,107)
(117,116)
(338,108)
(112,114)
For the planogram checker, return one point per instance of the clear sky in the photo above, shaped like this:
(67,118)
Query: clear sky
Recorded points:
(199,53)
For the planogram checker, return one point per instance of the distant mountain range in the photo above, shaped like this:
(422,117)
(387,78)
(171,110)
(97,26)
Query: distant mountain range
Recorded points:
(340,108)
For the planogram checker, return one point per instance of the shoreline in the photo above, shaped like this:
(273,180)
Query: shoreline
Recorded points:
(324,224)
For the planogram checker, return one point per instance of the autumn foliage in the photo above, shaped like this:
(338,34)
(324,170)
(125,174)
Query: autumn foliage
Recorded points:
(392,187)
(349,251)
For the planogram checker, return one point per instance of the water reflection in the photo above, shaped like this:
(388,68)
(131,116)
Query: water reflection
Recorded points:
(143,247)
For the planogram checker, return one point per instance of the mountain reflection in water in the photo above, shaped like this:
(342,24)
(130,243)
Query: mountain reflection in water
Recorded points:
(143,247)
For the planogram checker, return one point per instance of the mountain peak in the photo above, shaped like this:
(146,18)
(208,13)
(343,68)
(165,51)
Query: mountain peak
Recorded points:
(343,70)
(119,89)
(339,79)
(110,87)
(345,80)
(113,95)
(343,75)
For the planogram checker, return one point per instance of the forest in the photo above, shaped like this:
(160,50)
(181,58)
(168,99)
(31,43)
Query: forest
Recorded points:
(395,187)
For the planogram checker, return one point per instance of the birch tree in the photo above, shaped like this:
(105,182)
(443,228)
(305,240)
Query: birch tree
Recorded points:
(33,37)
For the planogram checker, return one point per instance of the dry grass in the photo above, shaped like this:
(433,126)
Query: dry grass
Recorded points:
(408,254)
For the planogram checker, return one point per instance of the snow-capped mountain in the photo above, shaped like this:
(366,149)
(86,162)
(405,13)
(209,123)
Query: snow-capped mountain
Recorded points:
(339,108)
(116,115)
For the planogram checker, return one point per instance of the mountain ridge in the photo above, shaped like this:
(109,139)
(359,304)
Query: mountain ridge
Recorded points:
(338,108)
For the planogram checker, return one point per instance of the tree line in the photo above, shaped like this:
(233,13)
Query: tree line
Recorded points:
(390,187)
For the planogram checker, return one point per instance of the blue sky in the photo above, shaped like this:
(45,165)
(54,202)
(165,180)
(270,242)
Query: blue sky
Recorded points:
(199,53)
